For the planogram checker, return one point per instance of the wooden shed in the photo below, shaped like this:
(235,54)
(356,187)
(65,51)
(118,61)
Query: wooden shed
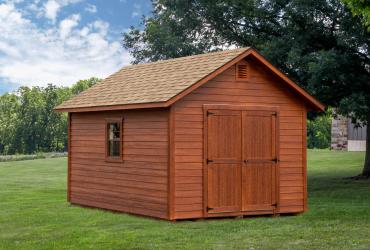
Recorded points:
(217,134)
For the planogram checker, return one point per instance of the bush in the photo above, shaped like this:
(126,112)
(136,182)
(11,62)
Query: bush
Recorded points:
(32,157)
(319,131)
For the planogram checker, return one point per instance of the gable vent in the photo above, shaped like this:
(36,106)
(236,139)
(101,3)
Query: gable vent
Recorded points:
(242,71)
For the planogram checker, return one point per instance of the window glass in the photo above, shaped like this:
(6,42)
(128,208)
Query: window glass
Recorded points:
(114,139)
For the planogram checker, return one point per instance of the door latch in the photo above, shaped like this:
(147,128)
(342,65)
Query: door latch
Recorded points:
(209,161)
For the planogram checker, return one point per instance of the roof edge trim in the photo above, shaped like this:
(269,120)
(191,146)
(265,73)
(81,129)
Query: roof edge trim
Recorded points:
(113,107)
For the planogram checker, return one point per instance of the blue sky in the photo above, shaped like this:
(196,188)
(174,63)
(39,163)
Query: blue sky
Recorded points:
(62,41)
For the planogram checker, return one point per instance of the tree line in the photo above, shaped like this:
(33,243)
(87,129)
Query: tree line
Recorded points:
(28,123)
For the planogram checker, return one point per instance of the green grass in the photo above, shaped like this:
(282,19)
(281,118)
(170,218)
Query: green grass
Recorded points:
(34,214)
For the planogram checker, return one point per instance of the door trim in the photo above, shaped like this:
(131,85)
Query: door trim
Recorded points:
(207,107)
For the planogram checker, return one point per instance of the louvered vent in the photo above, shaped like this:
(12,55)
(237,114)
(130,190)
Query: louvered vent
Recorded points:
(242,71)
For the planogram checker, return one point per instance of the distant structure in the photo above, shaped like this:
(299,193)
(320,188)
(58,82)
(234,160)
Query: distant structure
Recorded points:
(346,136)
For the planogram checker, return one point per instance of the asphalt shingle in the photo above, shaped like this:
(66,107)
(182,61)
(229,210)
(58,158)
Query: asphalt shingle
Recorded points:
(151,82)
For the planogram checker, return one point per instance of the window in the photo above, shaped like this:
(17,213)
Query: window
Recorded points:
(114,139)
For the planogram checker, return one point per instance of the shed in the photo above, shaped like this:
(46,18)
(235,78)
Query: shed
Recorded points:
(211,135)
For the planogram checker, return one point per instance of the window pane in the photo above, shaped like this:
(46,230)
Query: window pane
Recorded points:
(114,137)
(114,131)
(114,148)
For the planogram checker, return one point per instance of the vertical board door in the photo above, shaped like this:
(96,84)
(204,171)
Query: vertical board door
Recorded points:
(224,158)
(260,159)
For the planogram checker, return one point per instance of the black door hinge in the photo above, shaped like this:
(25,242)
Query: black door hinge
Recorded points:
(209,208)
(209,161)
(274,204)
(276,160)
(209,113)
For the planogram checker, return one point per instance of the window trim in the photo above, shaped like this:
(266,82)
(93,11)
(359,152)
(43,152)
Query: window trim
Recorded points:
(113,158)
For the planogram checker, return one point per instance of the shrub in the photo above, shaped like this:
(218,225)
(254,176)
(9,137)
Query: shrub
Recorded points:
(32,156)
(319,131)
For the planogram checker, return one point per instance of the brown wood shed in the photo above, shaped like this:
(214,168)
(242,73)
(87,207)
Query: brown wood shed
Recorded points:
(218,134)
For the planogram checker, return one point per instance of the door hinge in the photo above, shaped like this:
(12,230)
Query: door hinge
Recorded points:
(209,161)
(210,113)
(274,204)
(209,208)
(276,160)
(274,114)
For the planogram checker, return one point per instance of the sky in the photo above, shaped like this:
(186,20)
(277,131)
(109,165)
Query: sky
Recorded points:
(63,41)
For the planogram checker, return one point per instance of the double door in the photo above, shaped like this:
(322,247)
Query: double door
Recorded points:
(241,160)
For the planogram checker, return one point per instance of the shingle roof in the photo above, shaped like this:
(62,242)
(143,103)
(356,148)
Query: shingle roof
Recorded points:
(151,82)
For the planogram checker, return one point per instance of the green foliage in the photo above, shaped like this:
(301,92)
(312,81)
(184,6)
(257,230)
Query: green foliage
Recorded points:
(360,8)
(4,158)
(319,131)
(82,85)
(28,123)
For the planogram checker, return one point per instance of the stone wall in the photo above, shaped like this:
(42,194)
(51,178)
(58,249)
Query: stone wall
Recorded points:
(339,133)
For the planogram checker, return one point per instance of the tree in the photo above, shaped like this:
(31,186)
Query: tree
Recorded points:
(318,43)
(30,126)
(9,117)
(82,85)
(28,123)
(361,8)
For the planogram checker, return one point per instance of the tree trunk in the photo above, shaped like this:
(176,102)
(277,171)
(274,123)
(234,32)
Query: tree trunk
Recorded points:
(366,170)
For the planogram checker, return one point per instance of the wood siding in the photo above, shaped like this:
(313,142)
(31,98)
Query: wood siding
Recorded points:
(138,184)
(261,88)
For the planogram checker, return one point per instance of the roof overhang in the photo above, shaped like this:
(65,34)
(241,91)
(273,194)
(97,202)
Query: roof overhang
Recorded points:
(113,107)
(312,102)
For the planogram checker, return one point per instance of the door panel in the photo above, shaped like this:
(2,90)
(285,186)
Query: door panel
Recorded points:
(259,153)
(224,160)
(224,135)
(257,184)
(224,188)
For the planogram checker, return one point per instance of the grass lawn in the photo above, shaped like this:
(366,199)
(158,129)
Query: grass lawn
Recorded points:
(34,214)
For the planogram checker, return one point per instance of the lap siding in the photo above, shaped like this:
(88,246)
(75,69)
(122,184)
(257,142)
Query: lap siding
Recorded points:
(138,184)
(260,89)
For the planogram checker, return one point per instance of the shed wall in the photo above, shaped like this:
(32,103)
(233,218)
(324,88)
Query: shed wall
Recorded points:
(262,88)
(138,184)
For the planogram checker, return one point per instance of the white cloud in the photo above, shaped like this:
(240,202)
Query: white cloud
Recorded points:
(68,24)
(52,7)
(91,8)
(61,54)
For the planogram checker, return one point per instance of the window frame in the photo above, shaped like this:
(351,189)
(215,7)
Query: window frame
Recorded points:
(109,158)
